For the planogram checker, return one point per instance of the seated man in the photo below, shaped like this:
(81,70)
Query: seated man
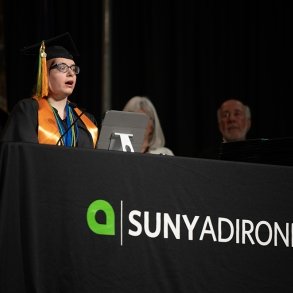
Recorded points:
(234,121)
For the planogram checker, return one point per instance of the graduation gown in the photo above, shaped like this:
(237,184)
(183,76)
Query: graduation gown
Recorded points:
(22,125)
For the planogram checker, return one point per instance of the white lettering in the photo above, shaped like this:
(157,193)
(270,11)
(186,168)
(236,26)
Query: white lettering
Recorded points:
(244,231)
(225,220)
(279,231)
(257,227)
(209,230)
(237,230)
(189,226)
(135,223)
(291,235)
(247,232)
(147,225)
(175,228)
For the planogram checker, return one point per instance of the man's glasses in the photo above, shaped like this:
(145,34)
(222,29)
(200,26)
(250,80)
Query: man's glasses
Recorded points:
(62,67)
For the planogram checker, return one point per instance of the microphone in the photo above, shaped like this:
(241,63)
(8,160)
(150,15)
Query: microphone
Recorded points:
(71,125)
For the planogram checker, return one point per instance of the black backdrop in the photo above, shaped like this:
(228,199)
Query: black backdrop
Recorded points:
(187,56)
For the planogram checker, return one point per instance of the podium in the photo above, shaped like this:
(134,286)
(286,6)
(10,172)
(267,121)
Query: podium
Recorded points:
(81,220)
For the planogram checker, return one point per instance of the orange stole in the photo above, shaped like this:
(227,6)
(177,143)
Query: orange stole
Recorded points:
(48,132)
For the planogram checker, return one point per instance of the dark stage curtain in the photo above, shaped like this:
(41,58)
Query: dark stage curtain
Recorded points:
(187,56)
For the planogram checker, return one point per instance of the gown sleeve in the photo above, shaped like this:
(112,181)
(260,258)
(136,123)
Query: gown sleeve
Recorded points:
(22,124)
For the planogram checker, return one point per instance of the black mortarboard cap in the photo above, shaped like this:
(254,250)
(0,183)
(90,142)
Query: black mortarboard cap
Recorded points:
(61,46)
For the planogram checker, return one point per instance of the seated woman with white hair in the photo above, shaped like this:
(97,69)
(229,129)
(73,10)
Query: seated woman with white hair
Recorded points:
(154,140)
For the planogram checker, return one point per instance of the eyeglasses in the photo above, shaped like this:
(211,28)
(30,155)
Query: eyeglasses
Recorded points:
(62,67)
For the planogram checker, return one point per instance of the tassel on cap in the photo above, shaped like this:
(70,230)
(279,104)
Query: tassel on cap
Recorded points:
(42,81)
